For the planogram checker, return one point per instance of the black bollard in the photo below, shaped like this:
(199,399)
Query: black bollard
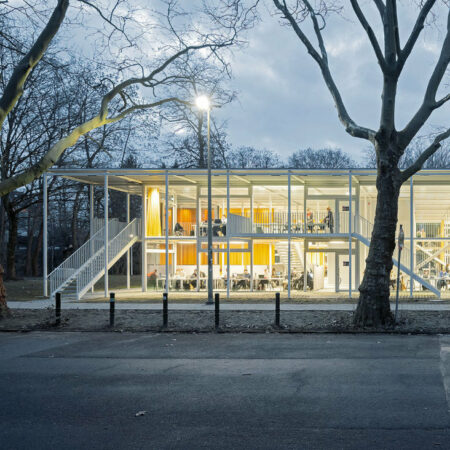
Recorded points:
(277,309)
(165,310)
(217,310)
(58,308)
(112,304)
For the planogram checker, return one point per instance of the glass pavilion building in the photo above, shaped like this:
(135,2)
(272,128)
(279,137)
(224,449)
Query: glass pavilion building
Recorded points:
(286,230)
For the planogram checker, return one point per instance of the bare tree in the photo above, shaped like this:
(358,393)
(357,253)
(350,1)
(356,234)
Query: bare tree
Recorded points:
(389,143)
(14,89)
(251,158)
(157,78)
(324,158)
(439,160)
(187,134)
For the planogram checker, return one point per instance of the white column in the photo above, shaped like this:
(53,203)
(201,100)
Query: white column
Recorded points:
(228,236)
(350,234)
(174,244)
(412,232)
(106,206)
(270,258)
(45,237)
(91,213)
(305,197)
(167,230)
(143,242)
(305,272)
(357,244)
(199,217)
(251,243)
(289,234)
(129,250)
(91,223)
(251,265)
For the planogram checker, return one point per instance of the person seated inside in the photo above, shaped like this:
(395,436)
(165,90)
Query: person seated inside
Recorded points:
(244,281)
(152,277)
(178,229)
(193,280)
(217,225)
(264,280)
(298,227)
(204,228)
(203,280)
(179,276)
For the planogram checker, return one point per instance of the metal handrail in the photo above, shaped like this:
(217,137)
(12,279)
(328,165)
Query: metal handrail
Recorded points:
(96,264)
(66,270)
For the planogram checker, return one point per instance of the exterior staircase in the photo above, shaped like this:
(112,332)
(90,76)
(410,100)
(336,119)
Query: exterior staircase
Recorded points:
(296,254)
(81,270)
(363,232)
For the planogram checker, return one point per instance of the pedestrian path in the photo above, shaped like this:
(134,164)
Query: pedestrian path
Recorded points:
(42,304)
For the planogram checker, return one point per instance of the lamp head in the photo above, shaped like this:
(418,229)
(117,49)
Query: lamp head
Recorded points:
(203,102)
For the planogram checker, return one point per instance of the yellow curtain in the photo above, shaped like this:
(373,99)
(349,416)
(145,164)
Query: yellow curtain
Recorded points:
(153,213)
(186,254)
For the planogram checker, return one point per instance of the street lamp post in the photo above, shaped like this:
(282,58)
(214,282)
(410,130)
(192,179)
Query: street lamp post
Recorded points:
(203,103)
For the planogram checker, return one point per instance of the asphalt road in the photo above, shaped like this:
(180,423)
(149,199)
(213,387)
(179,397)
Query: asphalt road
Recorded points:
(82,391)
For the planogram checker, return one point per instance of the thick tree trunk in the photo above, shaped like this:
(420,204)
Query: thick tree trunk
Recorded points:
(373,306)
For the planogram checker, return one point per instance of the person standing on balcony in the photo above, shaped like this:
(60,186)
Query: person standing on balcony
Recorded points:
(329,220)
(309,221)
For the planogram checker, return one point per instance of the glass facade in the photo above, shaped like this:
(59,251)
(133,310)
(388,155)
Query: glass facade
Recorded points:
(294,231)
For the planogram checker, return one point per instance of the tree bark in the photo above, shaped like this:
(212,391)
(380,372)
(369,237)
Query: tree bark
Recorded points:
(12,244)
(373,305)
(37,251)
(3,305)
(30,239)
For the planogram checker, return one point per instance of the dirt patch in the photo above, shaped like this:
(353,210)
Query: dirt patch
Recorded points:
(230,321)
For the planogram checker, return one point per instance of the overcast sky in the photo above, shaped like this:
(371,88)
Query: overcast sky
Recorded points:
(283,104)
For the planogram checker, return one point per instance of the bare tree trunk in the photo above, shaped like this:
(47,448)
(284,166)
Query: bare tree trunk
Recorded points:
(3,304)
(373,305)
(35,258)
(30,239)
(12,244)
(74,221)
(2,233)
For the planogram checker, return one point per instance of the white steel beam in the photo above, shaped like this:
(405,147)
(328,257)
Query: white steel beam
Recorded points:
(106,206)
(45,237)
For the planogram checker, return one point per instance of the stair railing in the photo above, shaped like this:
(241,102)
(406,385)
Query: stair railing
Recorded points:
(61,274)
(96,264)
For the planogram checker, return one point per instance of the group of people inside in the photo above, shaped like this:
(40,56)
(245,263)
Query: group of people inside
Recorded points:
(267,280)
(219,227)
(180,279)
(313,226)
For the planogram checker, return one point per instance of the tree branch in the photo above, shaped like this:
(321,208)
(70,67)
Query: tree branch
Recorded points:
(429,103)
(418,27)
(396,30)
(443,100)
(55,152)
(433,148)
(381,8)
(350,126)
(373,40)
(14,89)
